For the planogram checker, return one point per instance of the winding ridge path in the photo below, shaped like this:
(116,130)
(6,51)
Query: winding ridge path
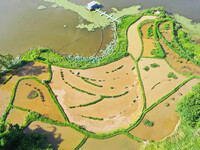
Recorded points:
(134,42)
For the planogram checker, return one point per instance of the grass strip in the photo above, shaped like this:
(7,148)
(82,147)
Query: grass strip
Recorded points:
(20,108)
(99,100)
(4,82)
(133,137)
(93,118)
(81,143)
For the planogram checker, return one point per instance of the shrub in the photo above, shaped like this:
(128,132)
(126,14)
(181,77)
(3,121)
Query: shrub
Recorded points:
(172,75)
(148,123)
(166,26)
(149,31)
(167,104)
(154,65)
(146,68)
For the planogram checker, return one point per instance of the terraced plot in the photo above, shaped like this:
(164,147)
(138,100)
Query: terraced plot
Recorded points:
(60,137)
(16,116)
(42,103)
(164,117)
(155,80)
(118,142)
(120,87)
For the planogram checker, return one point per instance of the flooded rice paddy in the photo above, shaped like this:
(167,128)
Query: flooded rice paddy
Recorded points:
(148,43)
(116,78)
(16,116)
(164,117)
(61,138)
(155,80)
(118,142)
(134,41)
(42,103)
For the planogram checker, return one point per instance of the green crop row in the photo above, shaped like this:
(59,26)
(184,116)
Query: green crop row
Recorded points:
(91,103)
(93,118)
(168,95)
(4,82)
(81,143)
(73,87)
(23,109)
(118,68)
(115,96)
(84,79)
(50,74)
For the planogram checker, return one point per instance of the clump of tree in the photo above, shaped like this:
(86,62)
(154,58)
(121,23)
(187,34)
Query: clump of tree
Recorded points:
(12,138)
(7,62)
(148,123)
(150,31)
(189,107)
(172,75)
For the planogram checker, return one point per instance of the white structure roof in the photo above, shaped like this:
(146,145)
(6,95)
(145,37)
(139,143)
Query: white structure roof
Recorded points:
(92,3)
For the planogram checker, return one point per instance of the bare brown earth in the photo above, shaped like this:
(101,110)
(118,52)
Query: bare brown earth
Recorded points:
(147,42)
(116,112)
(165,118)
(154,76)
(16,116)
(178,63)
(47,108)
(34,69)
(118,142)
(61,138)
(134,42)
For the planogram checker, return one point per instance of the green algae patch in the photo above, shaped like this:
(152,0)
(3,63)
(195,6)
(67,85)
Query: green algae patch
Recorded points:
(96,21)
(41,7)
(188,25)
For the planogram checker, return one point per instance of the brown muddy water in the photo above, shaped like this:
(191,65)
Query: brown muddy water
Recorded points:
(147,42)
(165,118)
(119,142)
(44,106)
(61,138)
(23,26)
(16,116)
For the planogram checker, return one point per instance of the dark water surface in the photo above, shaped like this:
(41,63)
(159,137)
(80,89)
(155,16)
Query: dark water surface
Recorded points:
(23,26)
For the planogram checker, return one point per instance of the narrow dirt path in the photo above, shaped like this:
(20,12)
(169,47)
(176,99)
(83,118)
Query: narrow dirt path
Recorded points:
(134,42)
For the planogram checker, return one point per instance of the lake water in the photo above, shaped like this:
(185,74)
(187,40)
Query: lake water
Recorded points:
(23,26)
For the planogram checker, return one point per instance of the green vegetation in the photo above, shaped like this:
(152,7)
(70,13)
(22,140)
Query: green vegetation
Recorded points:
(41,7)
(118,68)
(14,138)
(188,25)
(166,26)
(188,107)
(150,31)
(154,65)
(33,94)
(155,85)
(173,98)
(192,49)
(172,75)
(187,136)
(148,123)
(84,79)
(93,118)
(4,82)
(167,104)
(146,68)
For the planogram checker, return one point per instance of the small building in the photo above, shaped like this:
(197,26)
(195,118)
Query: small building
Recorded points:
(92,5)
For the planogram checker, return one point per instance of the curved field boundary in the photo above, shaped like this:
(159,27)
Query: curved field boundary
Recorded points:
(99,100)
(49,90)
(136,49)
(181,52)
(81,143)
